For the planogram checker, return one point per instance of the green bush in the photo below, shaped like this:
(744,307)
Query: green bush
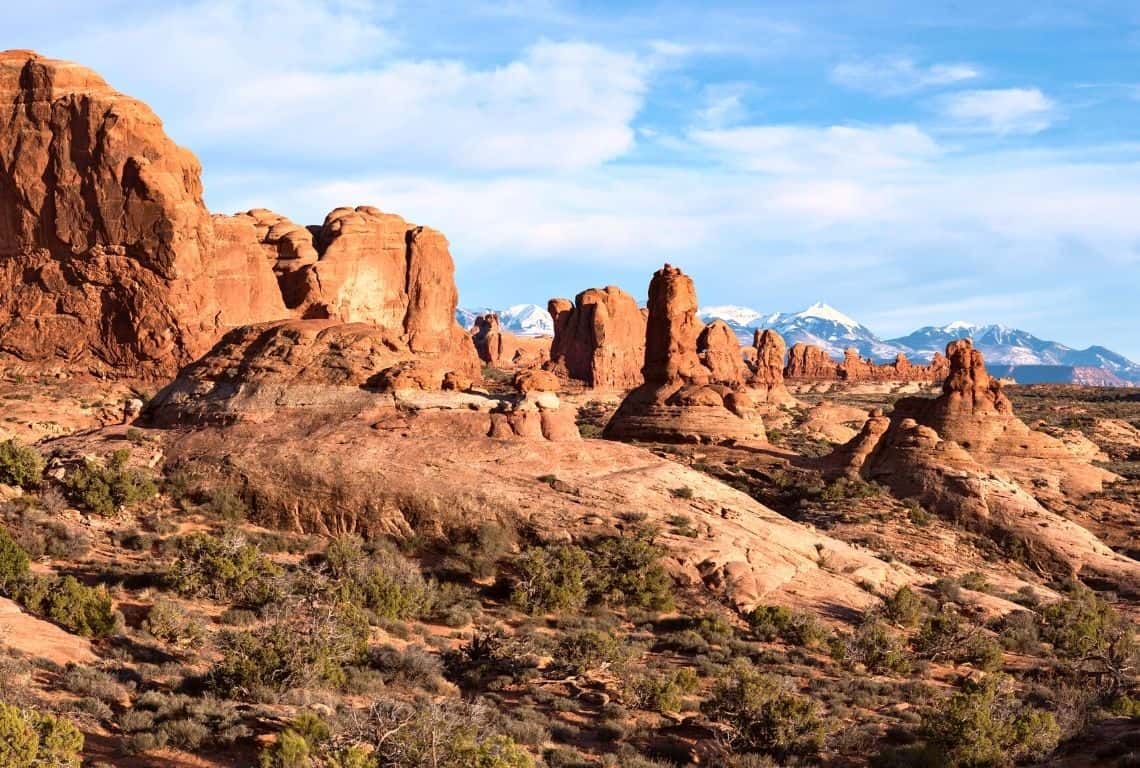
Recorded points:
(160,720)
(301,644)
(940,633)
(794,627)
(1091,635)
(616,570)
(20,465)
(663,692)
(627,570)
(881,650)
(763,715)
(13,562)
(103,489)
(382,580)
(588,650)
(31,739)
(84,610)
(904,607)
(228,568)
(551,579)
(168,622)
(986,725)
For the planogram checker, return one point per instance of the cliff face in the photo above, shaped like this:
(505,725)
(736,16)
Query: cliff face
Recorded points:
(599,338)
(110,260)
(107,252)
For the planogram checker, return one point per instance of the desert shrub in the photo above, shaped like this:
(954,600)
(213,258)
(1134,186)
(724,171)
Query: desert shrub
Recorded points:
(587,650)
(845,488)
(551,579)
(479,553)
(168,622)
(488,656)
(616,570)
(763,715)
(95,683)
(301,644)
(31,739)
(306,741)
(879,649)
(984,725)
(103,489)
(411,666)
(1019,632)
(20,465)
(627,571)
(225,568)
(13,562)
(940,633)
(983,651)
(382,580)
(904,607)
(84,610)
(769,621)
(1092,636)
(663,692)
(974,581)
(160,720)
(40,535)
(797,628)
(442,735)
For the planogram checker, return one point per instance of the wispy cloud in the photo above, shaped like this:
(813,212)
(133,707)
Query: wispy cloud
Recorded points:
(1000,111)
(899,75)
(825,151)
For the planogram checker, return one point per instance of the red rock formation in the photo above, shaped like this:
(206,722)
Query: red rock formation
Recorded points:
(501,349)
(767,357)
(966,455)
(685,398)
(810,363)
(599,339)
(719,351)
(108,256)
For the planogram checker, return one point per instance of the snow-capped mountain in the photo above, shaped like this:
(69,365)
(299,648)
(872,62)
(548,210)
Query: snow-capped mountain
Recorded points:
(1013,349)
(820,324)
(520,319)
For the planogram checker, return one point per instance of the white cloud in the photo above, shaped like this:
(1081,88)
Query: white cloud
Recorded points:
(1001,111)
(827,151)
(318,82)
(899,75)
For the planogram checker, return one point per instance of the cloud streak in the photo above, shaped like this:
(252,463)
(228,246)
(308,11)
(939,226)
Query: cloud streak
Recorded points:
(899,75)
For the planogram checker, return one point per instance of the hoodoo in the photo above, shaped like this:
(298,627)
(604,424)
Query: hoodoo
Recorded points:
(599,338)
(692,393)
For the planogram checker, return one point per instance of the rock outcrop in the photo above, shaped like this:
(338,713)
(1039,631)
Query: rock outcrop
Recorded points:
(108,256)
(110,260)
(810,363)
(767,359)
(807,362)
(688,395)
(502,349)
(967,456)
(599,338)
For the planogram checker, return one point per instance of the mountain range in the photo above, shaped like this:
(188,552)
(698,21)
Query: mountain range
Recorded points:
(1009,351)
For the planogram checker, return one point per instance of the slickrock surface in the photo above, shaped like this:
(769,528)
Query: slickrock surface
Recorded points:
(599,338)
(966,455)
(108,256)
(683,399)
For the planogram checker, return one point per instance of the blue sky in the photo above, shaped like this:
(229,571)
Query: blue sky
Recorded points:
(910,163)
